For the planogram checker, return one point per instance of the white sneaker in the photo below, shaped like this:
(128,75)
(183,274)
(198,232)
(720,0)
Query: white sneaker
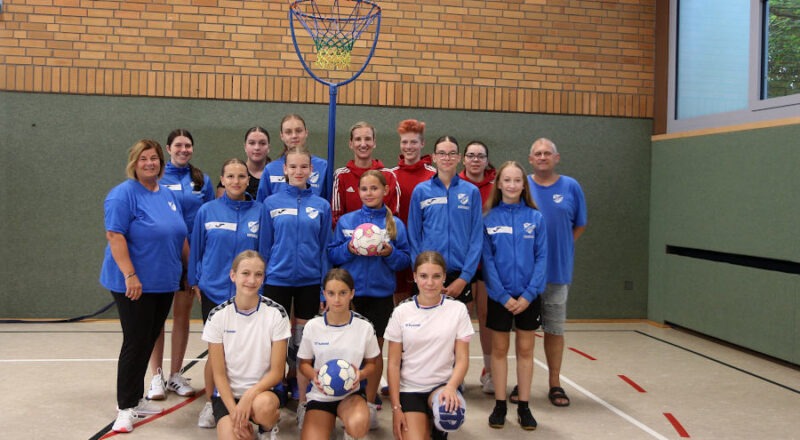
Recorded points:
(373,416)
(147,408)
(487,386)
(180,385)
(124,421)
(346,436)
(206,418)
(157,391)
(272,434)
(301,414)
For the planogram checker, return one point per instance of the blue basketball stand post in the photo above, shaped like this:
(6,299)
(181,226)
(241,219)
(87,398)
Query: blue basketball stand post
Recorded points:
(332,86)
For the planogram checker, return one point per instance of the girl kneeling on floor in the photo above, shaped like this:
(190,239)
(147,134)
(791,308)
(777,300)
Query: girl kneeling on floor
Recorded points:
(338,333)
(248,373)
(428,338)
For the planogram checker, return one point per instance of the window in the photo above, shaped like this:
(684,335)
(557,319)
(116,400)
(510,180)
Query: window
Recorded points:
(732,62)
(781,37)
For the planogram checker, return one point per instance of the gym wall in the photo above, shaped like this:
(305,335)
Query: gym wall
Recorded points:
(82,81)
(723,252)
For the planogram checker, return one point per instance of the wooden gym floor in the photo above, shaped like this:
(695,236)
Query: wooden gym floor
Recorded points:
(627,380)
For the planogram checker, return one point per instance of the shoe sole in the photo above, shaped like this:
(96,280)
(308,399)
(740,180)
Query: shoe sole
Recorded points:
(497,426)
(189,394)
(527,428)
(157,397)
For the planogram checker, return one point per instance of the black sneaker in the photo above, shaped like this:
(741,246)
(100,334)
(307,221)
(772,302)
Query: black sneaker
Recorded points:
(438,435)
(525,419)
(497,419)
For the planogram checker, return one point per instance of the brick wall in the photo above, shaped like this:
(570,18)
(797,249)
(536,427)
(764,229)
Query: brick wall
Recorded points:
(581,57)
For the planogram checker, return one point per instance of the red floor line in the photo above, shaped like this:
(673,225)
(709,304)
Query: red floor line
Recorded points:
(632,383)
(677,425)
(582,354)
(158,416)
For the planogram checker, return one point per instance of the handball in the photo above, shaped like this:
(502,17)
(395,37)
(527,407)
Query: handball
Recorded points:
(337,377)
(368,239)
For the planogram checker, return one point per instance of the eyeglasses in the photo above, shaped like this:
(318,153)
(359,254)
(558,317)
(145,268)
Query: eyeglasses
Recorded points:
(471,156)
(543,154)
(443,154)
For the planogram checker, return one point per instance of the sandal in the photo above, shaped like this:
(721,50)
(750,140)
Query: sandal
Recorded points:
(514,396)
(558,397)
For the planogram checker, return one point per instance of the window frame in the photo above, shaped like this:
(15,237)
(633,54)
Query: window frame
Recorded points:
(758,109)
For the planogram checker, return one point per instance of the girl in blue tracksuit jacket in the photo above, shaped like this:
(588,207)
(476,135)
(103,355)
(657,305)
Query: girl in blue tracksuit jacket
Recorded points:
(193,188)
(445,216)
(375,276)
(514,268)
(297,231)
(222,230)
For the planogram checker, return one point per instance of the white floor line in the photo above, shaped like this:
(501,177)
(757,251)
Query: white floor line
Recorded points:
(608,406)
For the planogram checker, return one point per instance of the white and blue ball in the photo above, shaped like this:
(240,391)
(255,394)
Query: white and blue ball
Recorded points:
(337,377)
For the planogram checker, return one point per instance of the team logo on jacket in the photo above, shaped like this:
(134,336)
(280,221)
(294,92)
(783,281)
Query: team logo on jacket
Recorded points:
(253,227)
(314,177)
(463,198)
(312,213)
(172,206)
(277,179)
(492,230)
(558,198)
(529,228)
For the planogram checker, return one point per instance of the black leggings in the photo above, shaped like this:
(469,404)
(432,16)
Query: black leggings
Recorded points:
(141,322)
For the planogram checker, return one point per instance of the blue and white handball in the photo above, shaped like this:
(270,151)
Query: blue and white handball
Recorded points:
(337,377)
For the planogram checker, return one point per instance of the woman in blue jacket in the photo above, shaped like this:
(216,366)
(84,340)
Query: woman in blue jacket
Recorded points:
(375,276)
(514,263)
(193,188)
(296,232)
(223,228)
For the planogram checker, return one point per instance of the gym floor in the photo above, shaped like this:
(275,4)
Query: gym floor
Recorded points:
(626,380)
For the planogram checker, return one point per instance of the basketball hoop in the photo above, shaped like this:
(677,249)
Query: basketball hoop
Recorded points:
(334,30)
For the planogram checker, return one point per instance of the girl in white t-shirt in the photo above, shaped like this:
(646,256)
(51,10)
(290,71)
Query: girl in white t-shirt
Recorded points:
(247,372)
(339,333)
(428,338)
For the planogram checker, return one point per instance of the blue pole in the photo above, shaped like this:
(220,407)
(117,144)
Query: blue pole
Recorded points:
(331,139)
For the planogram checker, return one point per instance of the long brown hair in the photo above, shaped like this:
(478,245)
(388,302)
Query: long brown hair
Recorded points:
(496,196)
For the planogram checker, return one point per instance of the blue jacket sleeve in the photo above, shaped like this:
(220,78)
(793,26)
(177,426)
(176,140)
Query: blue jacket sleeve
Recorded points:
(539,278)
(415,225)
(490,274)
(266,237)
(197,249)
(324,240)
(208,189)
(264,246)
(263,186)
(473,255)
(400,258)
(338,253)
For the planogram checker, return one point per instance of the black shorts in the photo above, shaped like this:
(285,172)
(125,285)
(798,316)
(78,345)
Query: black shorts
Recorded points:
(499,319)
(466,294)
(377,310)
(206,306)
(332,407)
(220,410)
(418,402)
(306,299)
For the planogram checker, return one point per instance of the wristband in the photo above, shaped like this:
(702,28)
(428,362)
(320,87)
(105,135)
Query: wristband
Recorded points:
(397,408)
(131,275)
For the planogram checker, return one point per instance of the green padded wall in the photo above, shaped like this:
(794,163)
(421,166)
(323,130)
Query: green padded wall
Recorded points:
(735,193)
(61,154)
